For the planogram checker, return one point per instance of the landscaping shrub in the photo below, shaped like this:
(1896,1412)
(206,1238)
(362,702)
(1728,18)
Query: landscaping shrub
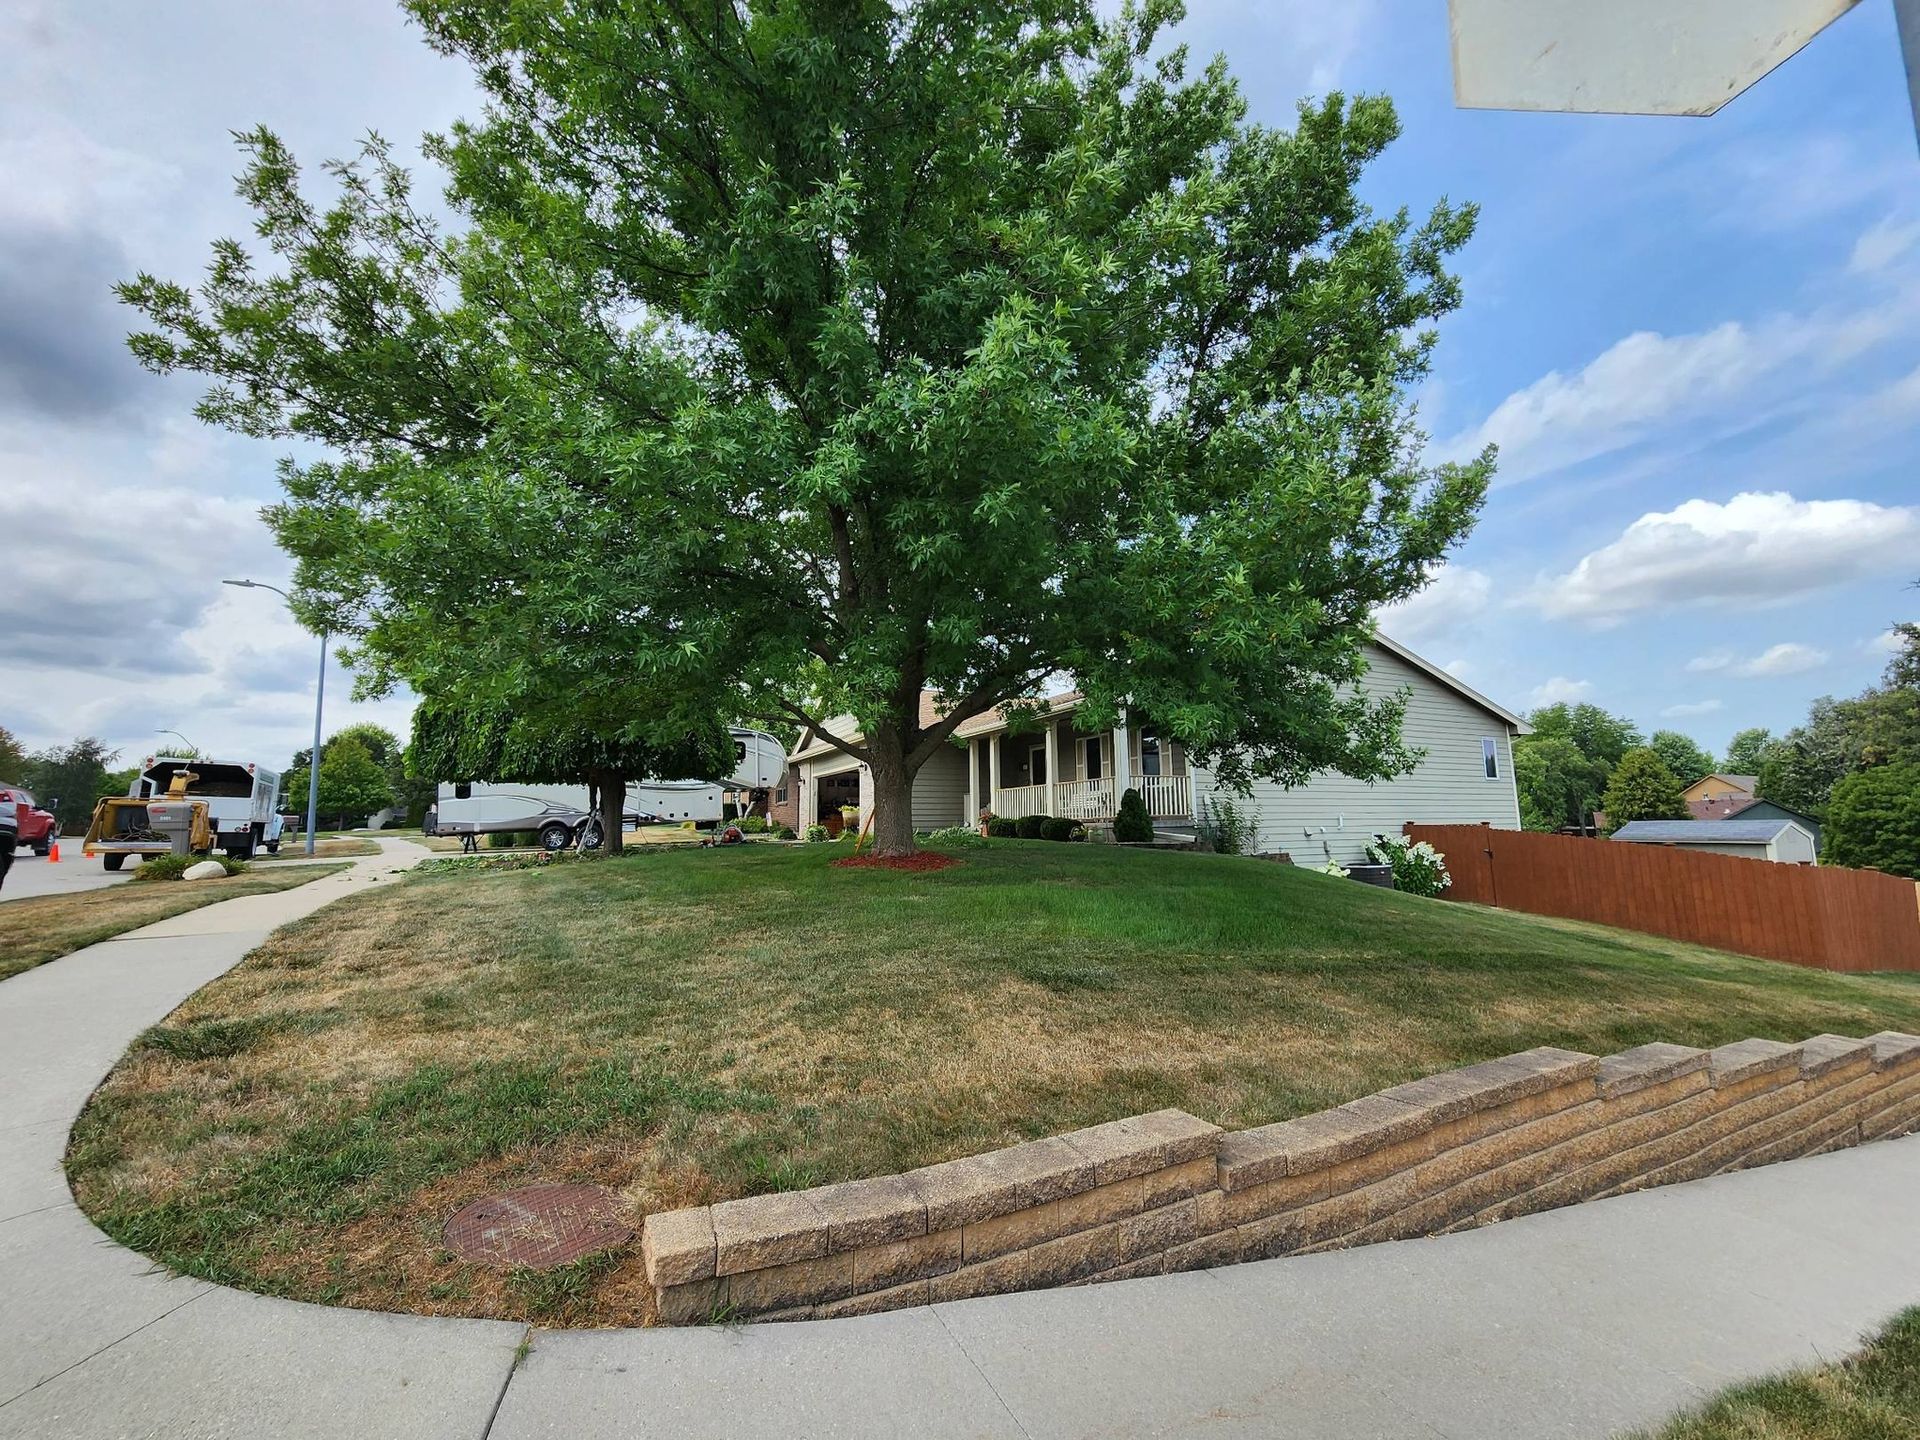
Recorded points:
(172,867)
(753,824)
(1223,829)
(1132,823)
(1001,828)
(783,832)
(961,835)
(817,833)
(1418,868)
(1058,827)
(507,840)
(1030,827)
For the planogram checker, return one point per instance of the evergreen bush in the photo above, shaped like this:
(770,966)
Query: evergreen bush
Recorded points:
(1132,825)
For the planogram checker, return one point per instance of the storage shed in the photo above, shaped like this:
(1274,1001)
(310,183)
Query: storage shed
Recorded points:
(1781,840)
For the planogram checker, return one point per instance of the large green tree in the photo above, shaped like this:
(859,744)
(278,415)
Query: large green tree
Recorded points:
(13,758)
(69,779)
(1873,819)
(524,742)
(1598,734)
(1682,754)
(1558,786)
(1747,750)
(795,358)
(1839,738)
(1643,788)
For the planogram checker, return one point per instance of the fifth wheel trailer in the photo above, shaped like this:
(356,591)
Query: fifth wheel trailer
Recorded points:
(558,813)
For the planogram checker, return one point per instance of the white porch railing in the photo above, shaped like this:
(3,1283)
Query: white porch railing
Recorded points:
(1084,799)
(1021,800)
(1167,797)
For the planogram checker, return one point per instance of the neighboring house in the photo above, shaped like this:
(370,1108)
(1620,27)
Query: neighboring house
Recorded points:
(1726,807)
(1721,789)
(783,805)
(1784,841)
(1056,768)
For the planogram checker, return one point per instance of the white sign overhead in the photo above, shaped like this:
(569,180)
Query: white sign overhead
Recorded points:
(1634,57)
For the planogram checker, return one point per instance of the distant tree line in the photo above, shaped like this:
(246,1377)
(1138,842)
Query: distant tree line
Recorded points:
(1853,765)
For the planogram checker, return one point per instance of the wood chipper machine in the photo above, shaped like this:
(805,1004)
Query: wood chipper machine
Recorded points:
(172,824)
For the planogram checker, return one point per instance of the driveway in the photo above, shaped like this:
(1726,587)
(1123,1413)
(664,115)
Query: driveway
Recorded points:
(32,875)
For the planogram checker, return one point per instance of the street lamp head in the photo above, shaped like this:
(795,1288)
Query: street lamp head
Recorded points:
(243,584)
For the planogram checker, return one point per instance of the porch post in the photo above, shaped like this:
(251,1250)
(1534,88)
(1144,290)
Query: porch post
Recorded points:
(1122,761)
(993,769)
(1053,764)
(973,784)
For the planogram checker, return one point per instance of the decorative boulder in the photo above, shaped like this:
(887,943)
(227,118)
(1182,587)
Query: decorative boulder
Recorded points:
(205,870)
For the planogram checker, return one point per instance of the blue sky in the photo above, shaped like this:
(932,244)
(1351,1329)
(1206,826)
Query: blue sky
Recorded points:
(1691,339)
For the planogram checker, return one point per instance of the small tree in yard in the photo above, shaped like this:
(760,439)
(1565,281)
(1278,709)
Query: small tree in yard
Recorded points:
(801,358)
(1131,823)
(1643,788)
(352,784)
(1873,820)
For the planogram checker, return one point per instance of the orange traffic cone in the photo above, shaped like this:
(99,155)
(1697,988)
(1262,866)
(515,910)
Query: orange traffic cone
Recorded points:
(53,854)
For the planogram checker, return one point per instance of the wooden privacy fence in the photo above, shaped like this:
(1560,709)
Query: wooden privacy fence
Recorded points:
(1809,915)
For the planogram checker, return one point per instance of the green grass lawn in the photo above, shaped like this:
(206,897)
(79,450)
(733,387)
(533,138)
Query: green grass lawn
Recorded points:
(44,927)
(691,1025)
(1874,1395)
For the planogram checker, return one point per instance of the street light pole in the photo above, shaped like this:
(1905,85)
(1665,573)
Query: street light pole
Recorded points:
(319,702)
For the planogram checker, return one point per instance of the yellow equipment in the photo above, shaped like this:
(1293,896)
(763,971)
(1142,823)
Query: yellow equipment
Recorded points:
(126,825)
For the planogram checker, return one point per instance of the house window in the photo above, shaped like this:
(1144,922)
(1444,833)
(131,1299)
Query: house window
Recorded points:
(780,795)
(1149,753)
(463,791)
(1092,745)
(1490,757)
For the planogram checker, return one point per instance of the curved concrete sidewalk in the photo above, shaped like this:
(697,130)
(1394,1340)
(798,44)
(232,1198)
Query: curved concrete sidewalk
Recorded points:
(1573,1323)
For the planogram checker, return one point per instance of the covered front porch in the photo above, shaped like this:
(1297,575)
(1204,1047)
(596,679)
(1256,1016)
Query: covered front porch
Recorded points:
(1060,769)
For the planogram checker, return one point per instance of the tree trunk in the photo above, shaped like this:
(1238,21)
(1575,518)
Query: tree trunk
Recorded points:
(613,797)
(892,794)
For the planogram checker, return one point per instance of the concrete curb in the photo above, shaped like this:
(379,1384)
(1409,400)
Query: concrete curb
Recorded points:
(1575,1322)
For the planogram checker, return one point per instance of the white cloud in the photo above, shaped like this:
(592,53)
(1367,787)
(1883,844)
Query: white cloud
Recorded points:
(1713,383)
(1454,596)
(1755,549)
(1789,658)
(1560,688)
(1459,669)
(1690,709)
(1561,420)
(1887,642)
(1883,244)
(1784,659)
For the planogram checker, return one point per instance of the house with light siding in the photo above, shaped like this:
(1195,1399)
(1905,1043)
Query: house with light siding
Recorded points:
(1058,767)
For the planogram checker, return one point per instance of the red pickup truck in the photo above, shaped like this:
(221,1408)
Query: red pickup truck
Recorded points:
(35,826)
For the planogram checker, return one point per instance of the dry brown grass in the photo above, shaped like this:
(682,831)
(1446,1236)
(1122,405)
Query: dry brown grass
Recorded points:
(40,928)
(685,1026)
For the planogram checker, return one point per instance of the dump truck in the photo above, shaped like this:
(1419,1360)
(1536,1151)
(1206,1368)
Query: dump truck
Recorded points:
(182,805)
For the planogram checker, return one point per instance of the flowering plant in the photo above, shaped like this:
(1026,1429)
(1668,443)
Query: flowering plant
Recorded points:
(1418,868)
(1334,867)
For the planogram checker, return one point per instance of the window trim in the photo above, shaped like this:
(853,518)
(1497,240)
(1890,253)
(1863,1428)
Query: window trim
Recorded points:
(1155,769)
(1490,757)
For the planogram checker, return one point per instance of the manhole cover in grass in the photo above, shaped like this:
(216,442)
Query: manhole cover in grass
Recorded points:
(539,1226)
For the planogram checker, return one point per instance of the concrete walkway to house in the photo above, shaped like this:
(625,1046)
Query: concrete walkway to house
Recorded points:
(1573,1323)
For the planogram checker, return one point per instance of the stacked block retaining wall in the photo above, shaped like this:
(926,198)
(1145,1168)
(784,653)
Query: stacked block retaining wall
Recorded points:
(1167,1192)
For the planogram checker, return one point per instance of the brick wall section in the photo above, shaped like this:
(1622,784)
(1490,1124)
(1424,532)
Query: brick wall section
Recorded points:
(1166,1192)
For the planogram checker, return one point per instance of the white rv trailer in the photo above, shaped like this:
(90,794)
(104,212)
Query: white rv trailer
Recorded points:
(558,813)
(243,799)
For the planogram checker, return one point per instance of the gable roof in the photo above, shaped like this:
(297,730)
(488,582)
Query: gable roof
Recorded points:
(843,726)
(1704,832)
(1748,783)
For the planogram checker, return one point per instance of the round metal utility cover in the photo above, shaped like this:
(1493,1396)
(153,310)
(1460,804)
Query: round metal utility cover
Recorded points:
(538,1227)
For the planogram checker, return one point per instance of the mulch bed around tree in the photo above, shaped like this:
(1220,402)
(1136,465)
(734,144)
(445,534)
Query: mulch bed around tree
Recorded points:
(922,860)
